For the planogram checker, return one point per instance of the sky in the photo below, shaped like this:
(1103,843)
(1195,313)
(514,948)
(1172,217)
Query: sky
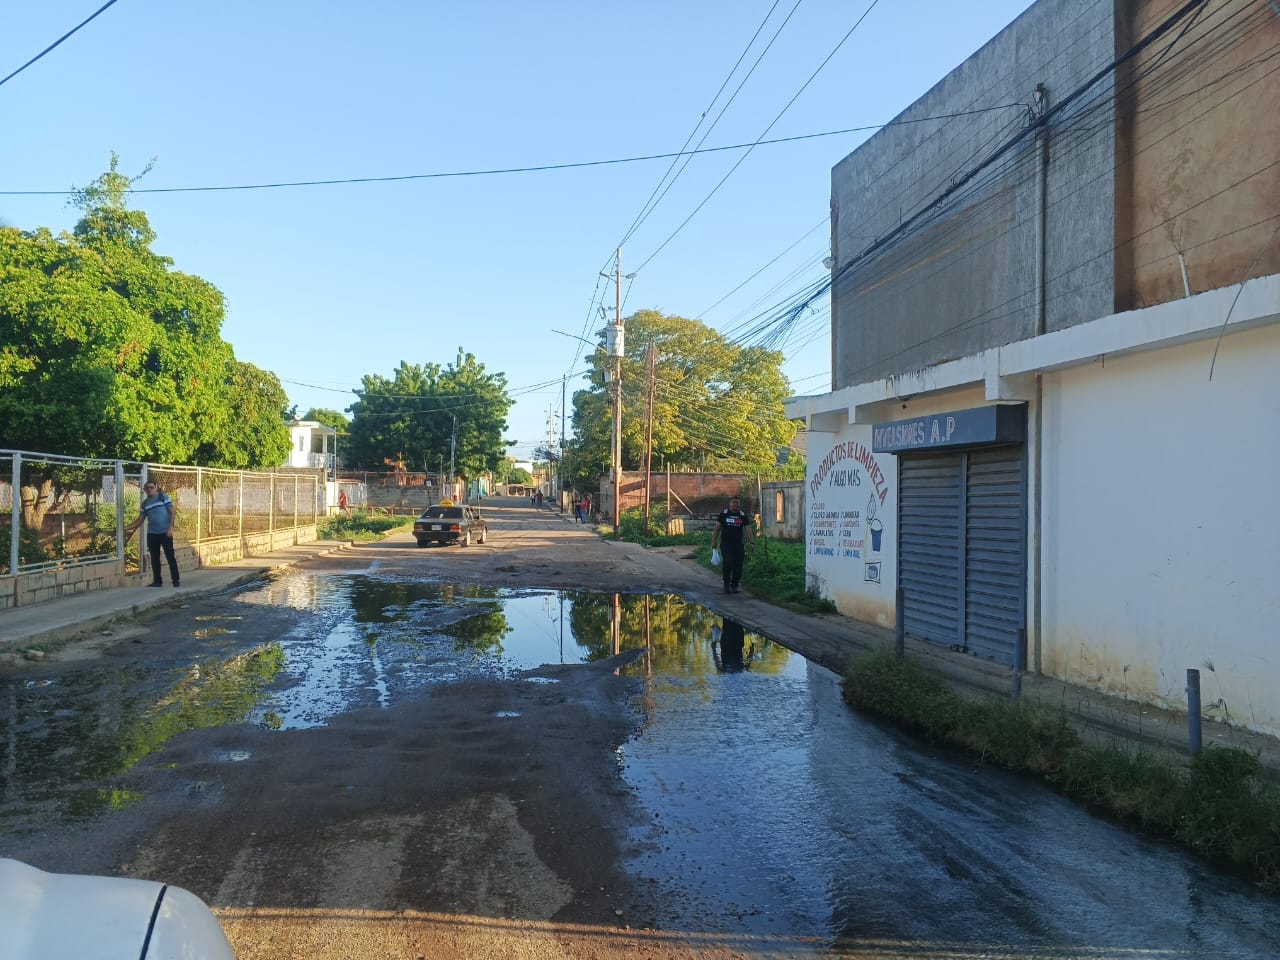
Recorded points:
(326,284)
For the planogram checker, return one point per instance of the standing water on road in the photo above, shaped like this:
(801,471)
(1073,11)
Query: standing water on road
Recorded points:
(770,809)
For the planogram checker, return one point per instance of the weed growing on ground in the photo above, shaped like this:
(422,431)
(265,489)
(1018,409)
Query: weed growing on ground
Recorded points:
(1220,804)
(774,571)
(361,526)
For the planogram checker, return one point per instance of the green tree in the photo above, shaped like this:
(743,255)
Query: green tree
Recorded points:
(330,418)
(717,405)
(425,409)
(107,351)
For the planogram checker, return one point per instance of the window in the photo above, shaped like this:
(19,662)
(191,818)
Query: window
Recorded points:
(779,507)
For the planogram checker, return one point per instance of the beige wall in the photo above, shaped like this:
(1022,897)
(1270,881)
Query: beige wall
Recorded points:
(1197,143)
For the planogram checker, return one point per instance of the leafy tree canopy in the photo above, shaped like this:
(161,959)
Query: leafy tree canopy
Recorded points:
(330,418)
(422,410)
(716,405)
(106,350)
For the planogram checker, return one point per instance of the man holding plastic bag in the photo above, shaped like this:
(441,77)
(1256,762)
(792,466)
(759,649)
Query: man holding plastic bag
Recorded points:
(731,527)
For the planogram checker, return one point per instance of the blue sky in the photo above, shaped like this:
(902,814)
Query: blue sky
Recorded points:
(325,284)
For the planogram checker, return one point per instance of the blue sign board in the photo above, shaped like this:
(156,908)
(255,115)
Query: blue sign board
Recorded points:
(1002,423)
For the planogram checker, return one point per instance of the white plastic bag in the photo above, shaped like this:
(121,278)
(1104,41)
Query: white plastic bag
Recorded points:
(715,557)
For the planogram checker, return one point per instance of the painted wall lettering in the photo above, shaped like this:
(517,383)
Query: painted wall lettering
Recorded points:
(830,470)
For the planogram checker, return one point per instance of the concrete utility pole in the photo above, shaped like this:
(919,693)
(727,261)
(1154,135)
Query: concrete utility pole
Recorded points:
(560,489)
(652,357)
(617,398)
(453,449)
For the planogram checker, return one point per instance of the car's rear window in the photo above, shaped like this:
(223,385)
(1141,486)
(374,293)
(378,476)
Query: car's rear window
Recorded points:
(447,513)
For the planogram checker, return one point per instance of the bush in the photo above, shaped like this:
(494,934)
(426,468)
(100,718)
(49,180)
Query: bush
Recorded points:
(29,549)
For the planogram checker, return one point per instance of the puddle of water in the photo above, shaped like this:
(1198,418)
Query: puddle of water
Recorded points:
(206,632)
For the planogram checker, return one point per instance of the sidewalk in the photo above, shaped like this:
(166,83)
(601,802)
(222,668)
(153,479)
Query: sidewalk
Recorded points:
(41,624)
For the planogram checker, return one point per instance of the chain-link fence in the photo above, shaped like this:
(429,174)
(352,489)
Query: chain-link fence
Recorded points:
(212,504)
(66,510)
(71,510)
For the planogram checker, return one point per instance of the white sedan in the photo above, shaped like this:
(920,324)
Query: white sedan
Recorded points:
(59,916)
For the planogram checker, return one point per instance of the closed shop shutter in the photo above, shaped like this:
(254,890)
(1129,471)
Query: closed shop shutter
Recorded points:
(995,552)
(930,546)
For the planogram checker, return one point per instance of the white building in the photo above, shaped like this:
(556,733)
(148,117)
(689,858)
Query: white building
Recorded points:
(314,446)
(1055,415)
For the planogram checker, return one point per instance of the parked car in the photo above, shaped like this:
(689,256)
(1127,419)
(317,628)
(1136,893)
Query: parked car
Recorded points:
(449,522)
(59,916)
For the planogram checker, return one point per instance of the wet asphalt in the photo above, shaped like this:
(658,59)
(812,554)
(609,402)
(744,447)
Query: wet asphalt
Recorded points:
(767,806)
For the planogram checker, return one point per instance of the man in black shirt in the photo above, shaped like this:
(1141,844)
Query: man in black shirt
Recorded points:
(730,527)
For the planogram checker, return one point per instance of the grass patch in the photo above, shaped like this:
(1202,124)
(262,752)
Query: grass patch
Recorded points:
(774,571)
(1219,805)
(361,526)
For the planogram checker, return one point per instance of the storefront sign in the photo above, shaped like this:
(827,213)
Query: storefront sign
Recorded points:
(1003,423)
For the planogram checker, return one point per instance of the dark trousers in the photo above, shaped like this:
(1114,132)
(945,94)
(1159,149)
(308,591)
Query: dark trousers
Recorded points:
(732,556)
(156,541)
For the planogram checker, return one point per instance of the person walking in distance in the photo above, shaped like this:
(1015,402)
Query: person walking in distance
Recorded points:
(158,511)
(731,527)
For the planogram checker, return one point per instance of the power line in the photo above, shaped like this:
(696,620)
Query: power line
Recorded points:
(760,139)
(57,42)
(496,171)
(651,203)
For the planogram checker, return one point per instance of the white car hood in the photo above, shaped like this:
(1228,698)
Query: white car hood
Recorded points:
(52,916)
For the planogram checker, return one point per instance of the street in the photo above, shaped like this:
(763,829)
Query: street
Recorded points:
(539,747)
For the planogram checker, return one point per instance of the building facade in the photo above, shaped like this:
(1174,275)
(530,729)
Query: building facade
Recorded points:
(1055,326)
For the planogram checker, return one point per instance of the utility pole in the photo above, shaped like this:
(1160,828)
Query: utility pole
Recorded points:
(453,449)
(560,492)
(617,398)
(652,358)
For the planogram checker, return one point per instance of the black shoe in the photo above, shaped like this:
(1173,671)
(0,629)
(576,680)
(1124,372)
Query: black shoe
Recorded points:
(728,589)
(734,588)
(176,583)
(156,583)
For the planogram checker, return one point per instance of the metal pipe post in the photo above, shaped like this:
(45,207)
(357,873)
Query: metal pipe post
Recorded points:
(899,627)
(1194,737)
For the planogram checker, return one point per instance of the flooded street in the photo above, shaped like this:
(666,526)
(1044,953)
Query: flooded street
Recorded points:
(761,805)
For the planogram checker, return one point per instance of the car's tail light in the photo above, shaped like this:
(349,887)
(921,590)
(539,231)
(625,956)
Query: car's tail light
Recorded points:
(456,527)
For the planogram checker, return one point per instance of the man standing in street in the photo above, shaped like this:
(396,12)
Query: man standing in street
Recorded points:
(731,526)
(158,510)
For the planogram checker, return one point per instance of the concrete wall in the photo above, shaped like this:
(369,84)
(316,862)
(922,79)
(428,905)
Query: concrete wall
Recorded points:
(29,588)
(701,492)
(782,509)
(1160,527)
(963,278)
(1195,153)
(847,488)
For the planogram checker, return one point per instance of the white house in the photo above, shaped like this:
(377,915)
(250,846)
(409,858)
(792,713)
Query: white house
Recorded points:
(1055,416)
(314,446)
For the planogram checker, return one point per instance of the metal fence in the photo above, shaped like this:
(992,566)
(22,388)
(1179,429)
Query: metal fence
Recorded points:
(75,510)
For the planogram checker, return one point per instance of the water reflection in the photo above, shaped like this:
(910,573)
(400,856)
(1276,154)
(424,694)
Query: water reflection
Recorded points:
(355,642)
(729,646)
(94,724)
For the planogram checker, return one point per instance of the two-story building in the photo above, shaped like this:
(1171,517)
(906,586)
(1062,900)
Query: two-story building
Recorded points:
(1055,416)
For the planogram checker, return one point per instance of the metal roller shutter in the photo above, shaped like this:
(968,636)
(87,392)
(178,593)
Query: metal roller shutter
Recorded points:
(929,546)
(995,552)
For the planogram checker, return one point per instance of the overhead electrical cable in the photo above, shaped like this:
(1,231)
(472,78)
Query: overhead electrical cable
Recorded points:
(759,139)
(496,171)
(651,202)
(55,43)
